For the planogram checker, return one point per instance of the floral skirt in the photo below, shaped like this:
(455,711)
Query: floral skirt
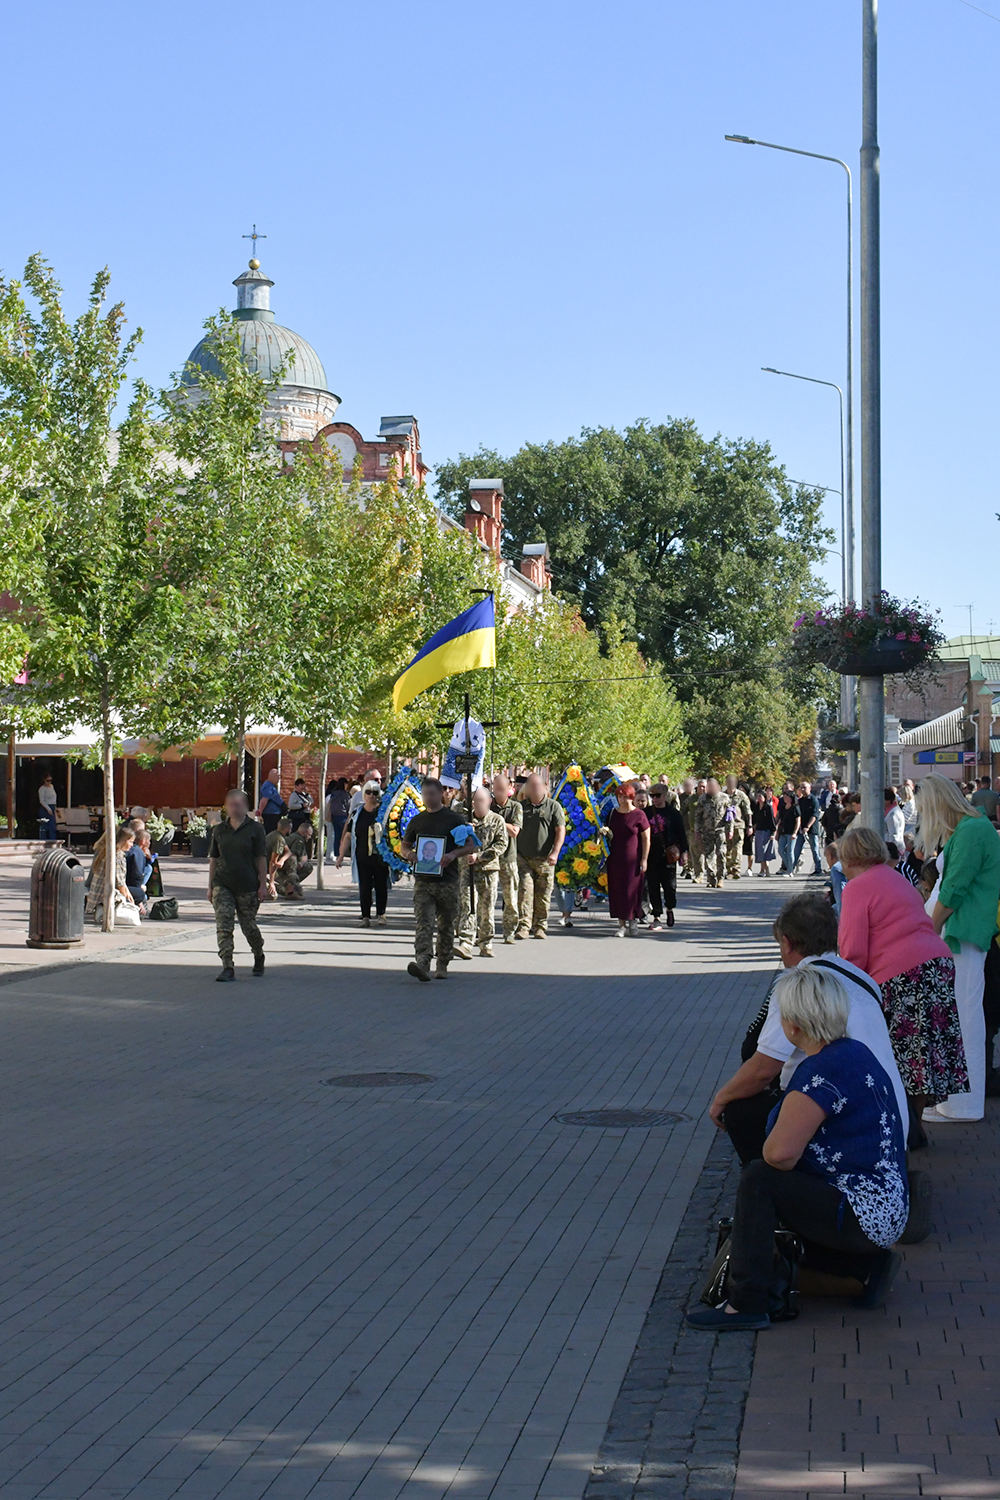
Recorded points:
(922,1018)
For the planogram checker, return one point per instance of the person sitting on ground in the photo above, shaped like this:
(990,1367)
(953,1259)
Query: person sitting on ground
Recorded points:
(806,932)
(282,874)
(300,841)
(139,866)
(124,839)
(833,1166)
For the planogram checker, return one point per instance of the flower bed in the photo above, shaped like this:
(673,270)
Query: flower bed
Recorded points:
(585,848)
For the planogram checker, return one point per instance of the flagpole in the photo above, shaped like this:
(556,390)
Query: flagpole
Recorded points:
(468,808)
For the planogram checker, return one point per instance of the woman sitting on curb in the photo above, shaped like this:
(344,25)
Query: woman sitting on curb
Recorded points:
(834,1165)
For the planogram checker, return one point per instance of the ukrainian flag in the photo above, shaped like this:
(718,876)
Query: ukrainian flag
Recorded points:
(470,640)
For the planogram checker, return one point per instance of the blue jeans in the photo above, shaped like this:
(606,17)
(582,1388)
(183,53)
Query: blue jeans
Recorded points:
(785,842)
(813,849)
(47,824)
(566,900)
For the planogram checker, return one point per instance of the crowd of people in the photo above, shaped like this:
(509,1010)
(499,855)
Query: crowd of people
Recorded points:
(881,1023)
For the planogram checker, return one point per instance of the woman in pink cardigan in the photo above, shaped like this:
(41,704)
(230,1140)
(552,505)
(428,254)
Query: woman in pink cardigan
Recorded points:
(885,930)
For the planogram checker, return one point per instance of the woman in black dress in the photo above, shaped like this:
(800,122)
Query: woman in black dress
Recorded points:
(667,849)
(764,827)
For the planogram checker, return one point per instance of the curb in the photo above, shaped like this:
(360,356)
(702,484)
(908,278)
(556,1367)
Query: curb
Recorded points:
(38,970)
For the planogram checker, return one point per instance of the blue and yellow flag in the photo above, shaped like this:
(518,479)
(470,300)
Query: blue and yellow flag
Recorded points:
(468,641)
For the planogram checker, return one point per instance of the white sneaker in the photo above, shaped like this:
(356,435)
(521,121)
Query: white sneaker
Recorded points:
(621,930)
(933,1116)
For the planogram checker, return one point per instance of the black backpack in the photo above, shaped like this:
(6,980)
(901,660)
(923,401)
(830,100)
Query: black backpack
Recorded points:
(783,1293)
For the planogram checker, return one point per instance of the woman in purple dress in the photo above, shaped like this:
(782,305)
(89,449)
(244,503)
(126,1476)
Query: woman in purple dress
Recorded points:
(626,866)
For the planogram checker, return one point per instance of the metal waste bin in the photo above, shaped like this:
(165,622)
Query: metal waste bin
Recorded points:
(57,900)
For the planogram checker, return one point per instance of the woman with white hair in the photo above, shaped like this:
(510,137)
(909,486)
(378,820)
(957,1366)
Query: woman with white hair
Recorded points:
(965,914)
(834,1164)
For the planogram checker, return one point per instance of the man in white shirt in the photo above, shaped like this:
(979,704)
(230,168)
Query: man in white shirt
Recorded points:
(895,822)
(806,930)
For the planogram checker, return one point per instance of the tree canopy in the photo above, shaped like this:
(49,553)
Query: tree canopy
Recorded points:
(699,548)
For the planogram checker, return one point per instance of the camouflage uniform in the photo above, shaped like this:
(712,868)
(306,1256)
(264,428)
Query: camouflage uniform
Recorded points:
(492,834)
(710,822)
(435,904)
(511,812)
(286,876)
(736,831)
(696,857)
(230,905)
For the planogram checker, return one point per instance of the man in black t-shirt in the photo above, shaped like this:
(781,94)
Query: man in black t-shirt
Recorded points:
(436,898)
(809,826)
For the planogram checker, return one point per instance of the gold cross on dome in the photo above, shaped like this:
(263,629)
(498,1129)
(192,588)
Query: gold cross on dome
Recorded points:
(255,237)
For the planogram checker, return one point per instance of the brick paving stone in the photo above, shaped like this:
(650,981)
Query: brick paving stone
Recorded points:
(221,1277)
(905,1400)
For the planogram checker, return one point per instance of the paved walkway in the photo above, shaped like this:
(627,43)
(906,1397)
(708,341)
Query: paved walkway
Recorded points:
(222,1275)
(904,1401)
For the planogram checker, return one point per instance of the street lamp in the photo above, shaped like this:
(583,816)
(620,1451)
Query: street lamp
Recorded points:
(746,140)
(846,573)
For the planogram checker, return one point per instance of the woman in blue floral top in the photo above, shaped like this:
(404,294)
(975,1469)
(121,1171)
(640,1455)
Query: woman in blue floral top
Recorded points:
(834,1165)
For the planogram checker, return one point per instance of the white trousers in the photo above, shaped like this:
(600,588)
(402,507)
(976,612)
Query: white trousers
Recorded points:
(969,980)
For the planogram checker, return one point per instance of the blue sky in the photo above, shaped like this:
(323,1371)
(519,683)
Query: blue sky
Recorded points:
(518,220)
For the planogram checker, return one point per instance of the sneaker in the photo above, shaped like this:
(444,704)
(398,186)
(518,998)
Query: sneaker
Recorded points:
(567,920)
(632,927)
(366,921)
(486,952)
(441,972)
(933,1116)
(621,930)
(670,919)
(655,926)
(539,932)
(380,921)
(879,1283)
(717,1320)
(226,977)
(418,973)
(258,965)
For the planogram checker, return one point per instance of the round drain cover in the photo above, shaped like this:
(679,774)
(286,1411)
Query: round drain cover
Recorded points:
(378,1080)
(621,1119)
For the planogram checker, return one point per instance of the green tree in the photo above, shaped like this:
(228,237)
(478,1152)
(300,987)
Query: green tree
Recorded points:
(96,608)
(233,546)
(699,548)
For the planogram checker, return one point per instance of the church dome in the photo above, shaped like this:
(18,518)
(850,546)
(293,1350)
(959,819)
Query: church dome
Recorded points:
(265,344)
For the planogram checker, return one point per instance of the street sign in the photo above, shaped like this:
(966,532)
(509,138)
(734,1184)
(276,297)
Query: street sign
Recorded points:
(945,757)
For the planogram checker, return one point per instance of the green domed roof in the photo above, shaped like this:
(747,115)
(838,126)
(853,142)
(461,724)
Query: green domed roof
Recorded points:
(265,347)
(264,344)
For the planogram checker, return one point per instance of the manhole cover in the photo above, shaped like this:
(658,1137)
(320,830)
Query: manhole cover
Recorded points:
(378,1080)
(621,1119)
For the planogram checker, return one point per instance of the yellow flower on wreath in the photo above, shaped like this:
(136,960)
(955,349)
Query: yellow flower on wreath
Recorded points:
(590,815)
(580,867)
(592,847)
(574,774)
(562,877)
(582,795)
(602,880)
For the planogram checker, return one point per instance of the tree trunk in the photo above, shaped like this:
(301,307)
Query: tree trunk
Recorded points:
(321,830)
(241,756)
(110,821)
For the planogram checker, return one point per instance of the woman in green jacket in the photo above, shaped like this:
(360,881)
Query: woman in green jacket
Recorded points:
(965,913)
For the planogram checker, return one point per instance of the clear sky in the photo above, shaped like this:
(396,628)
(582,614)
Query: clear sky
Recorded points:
(518,220)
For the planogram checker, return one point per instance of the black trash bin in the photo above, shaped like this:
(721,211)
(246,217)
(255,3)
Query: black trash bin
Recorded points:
(57,900)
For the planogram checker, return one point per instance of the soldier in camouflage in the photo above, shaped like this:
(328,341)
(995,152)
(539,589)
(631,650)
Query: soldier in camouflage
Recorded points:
(711,817)
(737,826)
(694,870)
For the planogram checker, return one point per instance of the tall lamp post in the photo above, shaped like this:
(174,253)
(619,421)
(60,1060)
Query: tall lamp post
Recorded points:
(746,140)
(871,697)
(846,571)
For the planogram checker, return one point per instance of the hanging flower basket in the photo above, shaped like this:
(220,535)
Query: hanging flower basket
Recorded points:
(891,638)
